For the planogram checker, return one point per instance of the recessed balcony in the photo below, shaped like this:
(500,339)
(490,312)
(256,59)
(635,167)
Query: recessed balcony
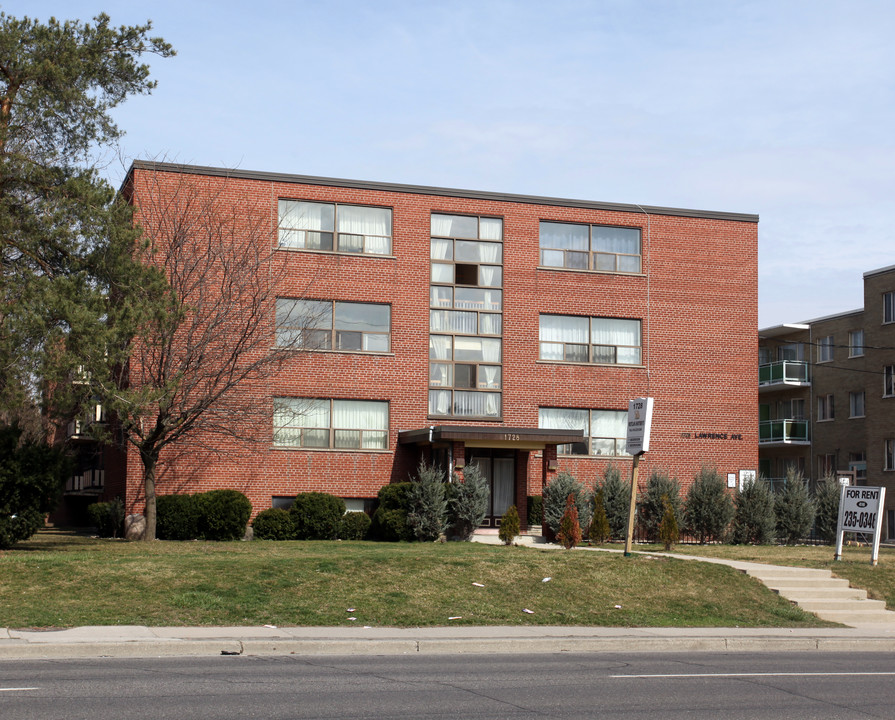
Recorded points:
(783,374)
(788,431)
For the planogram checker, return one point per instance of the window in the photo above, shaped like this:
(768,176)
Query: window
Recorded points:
(335,228)
(569,338)
(605,431)
(329,325)
(335,424)
(889,307)
(825,407)
(764,355)
(791,351)
(856,343)
(889,381)
(857,462)
(465,320)
(890,454)
(825,349)
(826,465)
(590,247)
(856,404)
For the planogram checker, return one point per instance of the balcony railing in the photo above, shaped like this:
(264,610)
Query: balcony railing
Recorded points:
(90,481)
(785,372)
(789,431)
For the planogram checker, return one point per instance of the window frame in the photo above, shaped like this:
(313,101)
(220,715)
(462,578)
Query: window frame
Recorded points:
(889,307)
(619,442)
(332,430)
(335,232)
(332,332)
(855,349)
(888,381)
(889,454)
(853,404)
(825,349)
(825,408)
(590,344)
(593,253)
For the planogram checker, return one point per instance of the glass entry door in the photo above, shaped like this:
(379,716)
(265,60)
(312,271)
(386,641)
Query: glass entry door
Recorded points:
(498,467)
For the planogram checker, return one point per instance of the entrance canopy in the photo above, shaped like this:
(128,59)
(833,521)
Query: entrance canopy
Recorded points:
(490,436)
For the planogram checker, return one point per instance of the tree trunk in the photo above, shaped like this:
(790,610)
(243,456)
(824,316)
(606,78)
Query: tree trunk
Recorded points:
(149,464)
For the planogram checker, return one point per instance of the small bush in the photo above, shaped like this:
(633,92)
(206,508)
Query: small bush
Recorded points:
(223,514)
(668,532)
(826,503)
(317,516)
(535,513)
(709,509)
(273,524)
(354,526)
(598,530)
(754,520)
(569,534)
(467,503)
(794,509)
(427,517)
(107,517)
(651,509)
(177,517)
(616,501)
(390,519)
(509,525)
(555,496)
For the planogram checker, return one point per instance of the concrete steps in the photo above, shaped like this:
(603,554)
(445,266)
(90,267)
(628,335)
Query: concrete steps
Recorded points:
(818,592)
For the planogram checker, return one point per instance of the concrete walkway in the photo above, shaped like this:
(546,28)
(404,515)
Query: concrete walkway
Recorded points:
(872,630)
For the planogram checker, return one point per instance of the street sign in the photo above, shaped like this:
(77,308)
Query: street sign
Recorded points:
(859,512)
(640,418)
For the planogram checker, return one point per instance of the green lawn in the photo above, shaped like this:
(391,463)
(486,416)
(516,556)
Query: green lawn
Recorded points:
(60,579)
(879,581)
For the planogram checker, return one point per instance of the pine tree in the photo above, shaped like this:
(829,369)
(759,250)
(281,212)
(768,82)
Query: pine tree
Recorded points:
(555,495)
(668,531)
(754,519)
(569,534)
(826,502)
(598,530)
(709,509)
(794,509)
(509,525)
(652,506)
(616,499)
(468,502)
(427,517)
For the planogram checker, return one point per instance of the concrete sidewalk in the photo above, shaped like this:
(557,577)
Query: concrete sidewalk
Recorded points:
(141,641)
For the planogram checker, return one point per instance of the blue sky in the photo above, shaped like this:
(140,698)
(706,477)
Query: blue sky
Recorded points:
(781,108)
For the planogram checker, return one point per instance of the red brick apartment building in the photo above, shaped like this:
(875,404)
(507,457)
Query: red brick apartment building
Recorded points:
(467,326)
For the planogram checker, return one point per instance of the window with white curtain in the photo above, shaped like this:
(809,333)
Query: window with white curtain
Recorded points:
(605,431)
(572,338)
(333,227)
(333,325)
(325,423)
(590,247)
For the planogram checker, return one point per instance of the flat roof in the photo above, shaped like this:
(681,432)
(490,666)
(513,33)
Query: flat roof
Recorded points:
(778,330)
(429,190)
(879,271)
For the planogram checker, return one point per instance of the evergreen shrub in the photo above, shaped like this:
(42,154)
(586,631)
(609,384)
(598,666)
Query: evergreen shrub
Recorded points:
(273,524)
(390,519)
(107,517)
(754,520)
(616,501)
(467,503)
(668,530)
(709,509)
(826,503)
(509,525)
(651,509)
(223,514)
(794,509)
(427,517)
(569,534)
(354,526)
(317,516)
(598,530)
(535,513)
(177,517)
(557,492)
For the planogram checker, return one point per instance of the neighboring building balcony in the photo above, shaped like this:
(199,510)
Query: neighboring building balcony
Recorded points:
(86,482)
(783,432)
(783,374)
(78,429)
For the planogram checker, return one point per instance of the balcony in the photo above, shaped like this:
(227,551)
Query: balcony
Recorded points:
(86,482)
(786,373)
(78,429)
(783,432)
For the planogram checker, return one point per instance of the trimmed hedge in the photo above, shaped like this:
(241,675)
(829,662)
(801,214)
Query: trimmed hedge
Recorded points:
(354,526)
(177,517)
(108,517)
(223,514)
(273,524)
(317,516)
(390,518)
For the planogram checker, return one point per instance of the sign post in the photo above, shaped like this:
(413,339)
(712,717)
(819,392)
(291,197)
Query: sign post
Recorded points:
(859,508)
(640,418)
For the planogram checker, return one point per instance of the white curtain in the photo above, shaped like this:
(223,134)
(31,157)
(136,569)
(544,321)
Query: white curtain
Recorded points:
(478,251)
(489,324)
(441,296)
(440,347)
(562,419)
(476,404)
(564,236)
(306,215)
(489,376)
(439,402)
(490,275)
(441,249)
(609,424)
(360,415)
(609,331)
(563,329)
(491,229)
(375,224)
(616,239)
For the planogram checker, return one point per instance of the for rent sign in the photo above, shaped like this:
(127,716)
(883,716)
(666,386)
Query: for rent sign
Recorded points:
(859,512)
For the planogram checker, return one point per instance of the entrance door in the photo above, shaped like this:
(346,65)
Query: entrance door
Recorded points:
(498,467)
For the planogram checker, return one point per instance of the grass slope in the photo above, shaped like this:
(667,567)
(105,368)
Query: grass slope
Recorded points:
(62,580)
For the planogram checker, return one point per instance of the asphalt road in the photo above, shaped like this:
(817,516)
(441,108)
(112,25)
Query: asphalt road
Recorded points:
(697,685)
